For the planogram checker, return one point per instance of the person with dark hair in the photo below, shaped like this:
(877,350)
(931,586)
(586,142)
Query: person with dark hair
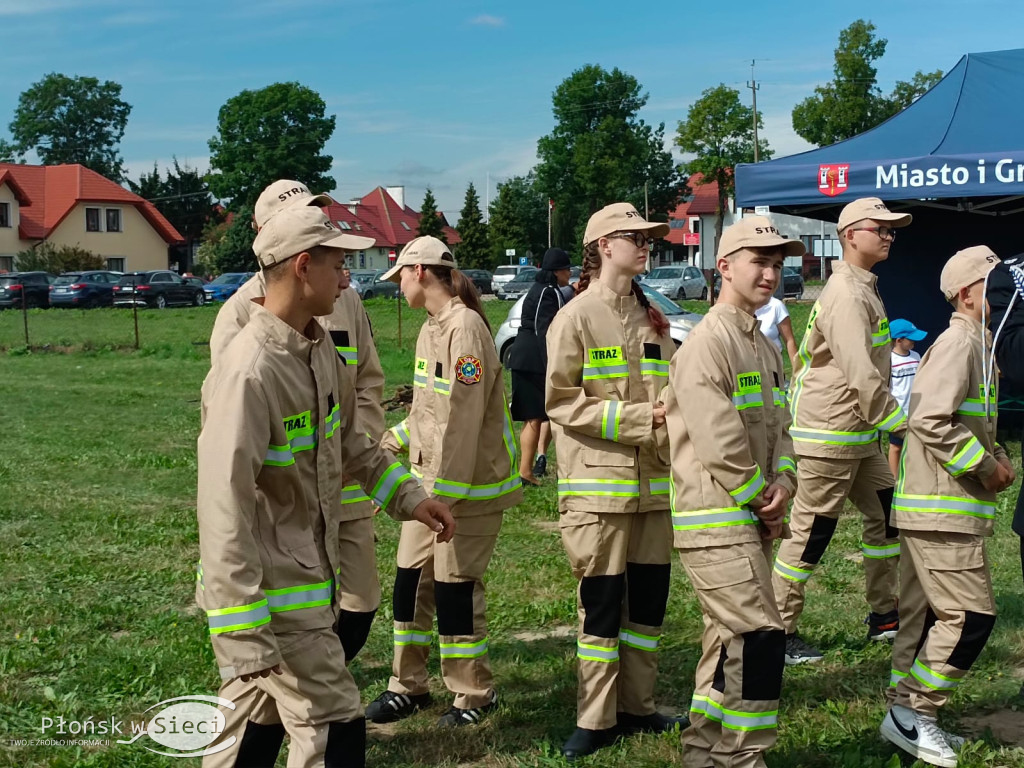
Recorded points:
(608,359)
(528,358)
(460,442)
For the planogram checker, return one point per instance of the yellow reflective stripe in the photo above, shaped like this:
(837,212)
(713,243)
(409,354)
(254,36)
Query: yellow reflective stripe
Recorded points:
(349,354)
(464,650)
(597,652)
(804,356)
(294,598)
(893,421)
(749,489)
(882,336)
(832,437)
(598,487)
(610,419)
(239,617)
(353,494)
(967,459)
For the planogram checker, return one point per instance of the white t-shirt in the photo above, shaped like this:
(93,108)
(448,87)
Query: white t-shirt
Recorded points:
(770,315)
(902,378)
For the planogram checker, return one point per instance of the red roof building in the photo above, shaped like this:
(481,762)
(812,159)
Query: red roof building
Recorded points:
(383,215)
(72,205)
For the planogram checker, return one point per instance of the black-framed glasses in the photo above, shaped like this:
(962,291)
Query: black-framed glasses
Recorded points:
(886,233)
(640,240)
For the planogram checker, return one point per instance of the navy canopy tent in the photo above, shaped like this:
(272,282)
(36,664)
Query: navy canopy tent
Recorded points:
(954,158)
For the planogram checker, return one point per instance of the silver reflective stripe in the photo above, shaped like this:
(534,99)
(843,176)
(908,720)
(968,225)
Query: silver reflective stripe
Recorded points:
(597,652)
(752,400)
(279,456)
(947,505)
(352,494)
(463,491)
(933,680)
(442,386)
(293,598)
(388,484)
(568,487)
(971,407)
(610,420)
(234,619)
(829,437)
(660,485)
(749,489)
(880,553)
(332,422)
(778,397)
(892,421)
(463,650)
(785,464)
(605,371)
(653,368)
(791,572)
(895,677)
(412,637)
(712,518)
(303,442)
(510,442)
(638,641)
(971,454)
(749,721)
(401,432)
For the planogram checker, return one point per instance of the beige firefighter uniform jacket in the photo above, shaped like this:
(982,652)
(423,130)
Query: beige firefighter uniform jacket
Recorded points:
(606,369)
(277,430)
(349,329)
(951,444)
(459,432)
(840,395)
(729,421)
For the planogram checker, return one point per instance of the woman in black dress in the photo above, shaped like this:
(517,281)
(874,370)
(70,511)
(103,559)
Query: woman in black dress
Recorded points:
(528,357)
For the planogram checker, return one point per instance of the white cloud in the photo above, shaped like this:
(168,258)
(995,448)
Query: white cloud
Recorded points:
(486,20)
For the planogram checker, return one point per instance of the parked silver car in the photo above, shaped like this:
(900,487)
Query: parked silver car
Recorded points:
(680,322)
(678,282)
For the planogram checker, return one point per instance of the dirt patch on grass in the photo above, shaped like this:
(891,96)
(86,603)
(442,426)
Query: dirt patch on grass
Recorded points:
(545,525)
(544,634)
(854,557)
(1006,725)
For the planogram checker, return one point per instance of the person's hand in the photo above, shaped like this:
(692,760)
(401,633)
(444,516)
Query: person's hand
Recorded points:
(770,506)
(1009,468)
(437,517)
(999,480)
(276,669)
(770,532)
(658,418)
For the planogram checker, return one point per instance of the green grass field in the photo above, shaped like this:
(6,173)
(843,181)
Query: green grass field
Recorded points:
(98,545)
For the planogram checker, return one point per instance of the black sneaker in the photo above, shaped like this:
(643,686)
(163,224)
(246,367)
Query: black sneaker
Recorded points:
(456,717)
(540,466)
(799,652)
(653,723)
(390,707)
(883,626)
(585,742)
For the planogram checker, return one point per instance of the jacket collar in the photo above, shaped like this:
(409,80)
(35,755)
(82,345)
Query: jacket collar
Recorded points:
(276,329)
(621,304)
(444,316)
(970,326)
(855,273)
(733,314)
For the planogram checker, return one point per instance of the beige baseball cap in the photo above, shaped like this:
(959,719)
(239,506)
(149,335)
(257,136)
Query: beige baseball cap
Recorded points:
(871,208)
(965,268)
(284,193)
(757,232)
(620,217)
(425,250)
(297,229)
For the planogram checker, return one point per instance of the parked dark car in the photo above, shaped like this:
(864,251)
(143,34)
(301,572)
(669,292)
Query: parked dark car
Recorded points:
(518,285)
(30,288)
(792,283)
(481,279)
(374,287)
(224,286)
(157,288)
(93,288)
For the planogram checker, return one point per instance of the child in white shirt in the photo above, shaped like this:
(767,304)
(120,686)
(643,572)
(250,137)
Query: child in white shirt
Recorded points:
(904,367)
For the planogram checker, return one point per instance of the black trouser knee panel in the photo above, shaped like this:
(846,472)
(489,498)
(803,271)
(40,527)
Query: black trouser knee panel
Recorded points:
(403,601)
(454,607)
(353,629)
(346,745)
(977,628)
(602,604)
(821,534)
(647,592)
(718,682)
(885,499)
(764,657)
(260,745)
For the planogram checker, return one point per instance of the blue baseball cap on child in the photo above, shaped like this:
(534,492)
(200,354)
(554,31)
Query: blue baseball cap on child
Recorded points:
(904,329)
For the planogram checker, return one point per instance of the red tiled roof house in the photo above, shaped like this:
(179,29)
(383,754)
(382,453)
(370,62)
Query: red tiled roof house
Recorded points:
(71,205)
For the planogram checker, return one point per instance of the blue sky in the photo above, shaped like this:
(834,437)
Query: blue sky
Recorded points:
(446,92)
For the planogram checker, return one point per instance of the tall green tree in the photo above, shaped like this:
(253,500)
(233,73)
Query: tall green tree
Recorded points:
(430,222)
(277,132)
(719,132)
(473,250)
(852,102)
(227,245)
(518,219)
(600,151)
(8,152)
(73,120)
(182,196)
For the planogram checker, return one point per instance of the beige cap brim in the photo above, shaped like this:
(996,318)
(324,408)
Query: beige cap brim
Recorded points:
(654,228)
(392,273)
(321,200)
(896,220)
(350,242)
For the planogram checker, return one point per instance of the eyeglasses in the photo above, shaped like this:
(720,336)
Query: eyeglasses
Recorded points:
(886,233)
(640,240)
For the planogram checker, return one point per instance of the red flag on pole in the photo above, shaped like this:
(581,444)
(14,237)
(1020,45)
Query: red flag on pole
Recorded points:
(551,204)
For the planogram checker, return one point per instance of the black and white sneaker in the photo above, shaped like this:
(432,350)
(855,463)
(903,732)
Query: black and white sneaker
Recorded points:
(540,467)
(455,717)
(799,652)
(918,735)
(883,626)
(390,707)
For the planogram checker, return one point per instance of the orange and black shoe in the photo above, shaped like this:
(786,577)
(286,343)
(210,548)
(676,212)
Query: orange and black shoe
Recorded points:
(883,626)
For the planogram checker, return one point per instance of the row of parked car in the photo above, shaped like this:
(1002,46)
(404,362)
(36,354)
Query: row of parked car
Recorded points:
(157,288)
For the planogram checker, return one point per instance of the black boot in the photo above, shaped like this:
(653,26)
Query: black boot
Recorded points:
(586,742)
(346,745)
(260,745)
(652,723)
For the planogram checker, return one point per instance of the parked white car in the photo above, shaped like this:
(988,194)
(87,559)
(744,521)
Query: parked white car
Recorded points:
(680,322)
